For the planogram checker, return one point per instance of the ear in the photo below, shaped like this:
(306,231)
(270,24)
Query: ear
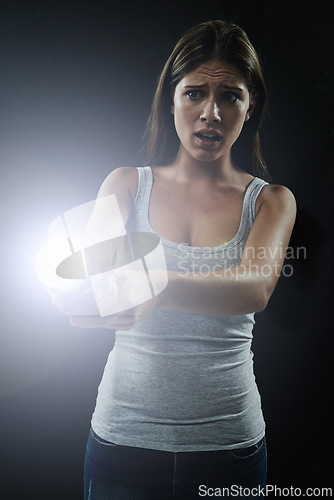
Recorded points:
(252,104)
(172,109)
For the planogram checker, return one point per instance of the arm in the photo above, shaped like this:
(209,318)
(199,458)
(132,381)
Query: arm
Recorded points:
(123,183)
(239,290)
(106,221)
(248,287)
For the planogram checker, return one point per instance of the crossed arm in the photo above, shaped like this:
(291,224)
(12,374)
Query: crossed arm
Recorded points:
(248,287)
(238,290)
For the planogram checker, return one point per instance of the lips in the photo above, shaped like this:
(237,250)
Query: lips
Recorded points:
(208,137)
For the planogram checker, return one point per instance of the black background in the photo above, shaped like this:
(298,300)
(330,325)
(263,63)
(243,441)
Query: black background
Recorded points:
(76,84)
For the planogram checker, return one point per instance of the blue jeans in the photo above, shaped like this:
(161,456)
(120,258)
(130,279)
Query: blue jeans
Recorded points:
(125,473)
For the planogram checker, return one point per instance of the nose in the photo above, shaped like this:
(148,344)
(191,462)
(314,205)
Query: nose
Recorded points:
(210,112)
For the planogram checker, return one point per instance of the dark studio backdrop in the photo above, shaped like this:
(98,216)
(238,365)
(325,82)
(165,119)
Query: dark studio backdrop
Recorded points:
(76,84)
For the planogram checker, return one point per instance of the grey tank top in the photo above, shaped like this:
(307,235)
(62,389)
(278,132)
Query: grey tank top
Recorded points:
(180,381)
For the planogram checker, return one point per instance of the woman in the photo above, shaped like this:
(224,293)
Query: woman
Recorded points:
(178,413)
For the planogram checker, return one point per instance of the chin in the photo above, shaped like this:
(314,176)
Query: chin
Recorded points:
(207,156)
(204,155)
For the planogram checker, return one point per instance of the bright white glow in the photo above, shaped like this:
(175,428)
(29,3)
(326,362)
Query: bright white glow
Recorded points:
(47,259)
(73,231)
(88,225)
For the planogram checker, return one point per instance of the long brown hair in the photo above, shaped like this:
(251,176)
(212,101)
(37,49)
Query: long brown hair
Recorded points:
(211,40)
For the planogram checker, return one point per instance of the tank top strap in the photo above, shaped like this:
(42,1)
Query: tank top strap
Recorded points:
(251,195)
(143,195)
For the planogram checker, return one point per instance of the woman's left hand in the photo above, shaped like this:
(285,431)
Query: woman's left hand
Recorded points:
(124,320)
(129,298)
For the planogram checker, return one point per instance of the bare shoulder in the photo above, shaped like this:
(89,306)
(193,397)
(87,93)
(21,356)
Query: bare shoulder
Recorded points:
(275,197)
(120,180)
(162,173)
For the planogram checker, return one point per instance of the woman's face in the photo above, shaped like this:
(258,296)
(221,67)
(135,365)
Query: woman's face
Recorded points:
(210,107)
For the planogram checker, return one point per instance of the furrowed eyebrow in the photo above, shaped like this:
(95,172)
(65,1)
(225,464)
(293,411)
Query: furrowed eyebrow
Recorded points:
(223,85)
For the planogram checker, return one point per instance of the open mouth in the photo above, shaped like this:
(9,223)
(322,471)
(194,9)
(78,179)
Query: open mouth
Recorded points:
(208,137)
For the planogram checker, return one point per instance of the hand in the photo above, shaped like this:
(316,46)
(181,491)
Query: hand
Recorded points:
(130,297)
(124,320)
(74,300)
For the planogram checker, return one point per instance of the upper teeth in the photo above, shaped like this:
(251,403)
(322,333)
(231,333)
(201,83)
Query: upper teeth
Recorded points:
(209,135)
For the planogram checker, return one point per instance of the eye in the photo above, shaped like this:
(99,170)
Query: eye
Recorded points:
(230,97)
(193,95)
